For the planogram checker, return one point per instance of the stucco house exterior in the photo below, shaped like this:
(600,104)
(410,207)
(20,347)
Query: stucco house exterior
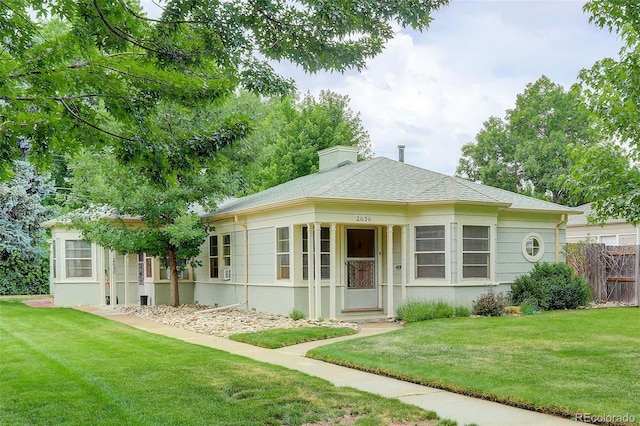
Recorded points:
(354,239)
(614,232)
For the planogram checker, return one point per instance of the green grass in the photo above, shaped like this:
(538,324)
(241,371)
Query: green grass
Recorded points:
(422,310)
(65,367)
(281,337)
(559,362)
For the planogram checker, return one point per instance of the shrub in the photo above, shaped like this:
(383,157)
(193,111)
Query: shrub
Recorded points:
(551,286)
(490,304)
(21,275)
(296,314)
(415,311)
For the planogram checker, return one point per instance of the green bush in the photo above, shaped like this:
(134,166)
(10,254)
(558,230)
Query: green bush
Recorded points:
(296,314)
(490,304)
(21,275)
(415,311)
(551,286)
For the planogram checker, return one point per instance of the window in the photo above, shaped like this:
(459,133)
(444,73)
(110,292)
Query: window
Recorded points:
(325,253)
(78,258)
(430,257)
(213,257)
(475,252)
(226,250)
(282,253)
(533,247)
(54,259)
(148,266)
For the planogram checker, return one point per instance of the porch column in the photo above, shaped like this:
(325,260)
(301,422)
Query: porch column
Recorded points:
(126,280)
(102,272)
(310,269)
(317,270)
(403,261)
(390,268)
(332,272)
(112,278)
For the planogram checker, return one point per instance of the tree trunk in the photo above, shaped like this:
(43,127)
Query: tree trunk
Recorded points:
(173,269)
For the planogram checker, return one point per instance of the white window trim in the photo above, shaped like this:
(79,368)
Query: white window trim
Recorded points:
(64,259)
(446,251)
(525,253)
(491,264)
(279,253)
(215,255)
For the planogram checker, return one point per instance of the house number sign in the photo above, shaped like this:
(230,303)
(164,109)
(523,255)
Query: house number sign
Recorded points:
(363,218)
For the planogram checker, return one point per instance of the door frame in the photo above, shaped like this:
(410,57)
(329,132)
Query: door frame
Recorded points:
(356,299)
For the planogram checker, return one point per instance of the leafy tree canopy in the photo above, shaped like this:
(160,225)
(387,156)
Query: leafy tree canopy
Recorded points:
(528,151)
(610,172)
(90,73)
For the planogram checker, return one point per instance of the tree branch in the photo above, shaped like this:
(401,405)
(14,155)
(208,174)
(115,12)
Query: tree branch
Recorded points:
(93,126)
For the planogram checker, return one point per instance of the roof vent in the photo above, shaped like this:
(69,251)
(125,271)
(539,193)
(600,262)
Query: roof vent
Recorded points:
(337,156)
(401,153)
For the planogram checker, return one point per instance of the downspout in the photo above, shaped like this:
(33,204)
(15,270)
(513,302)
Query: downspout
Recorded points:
(557,230)
(246,271)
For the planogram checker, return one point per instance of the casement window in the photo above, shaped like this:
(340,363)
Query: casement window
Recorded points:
(475,251)
(325,253)
(214,265)
(282,253)
(148,266)
(430,251)
(226,250)
(54,259)
(77,259)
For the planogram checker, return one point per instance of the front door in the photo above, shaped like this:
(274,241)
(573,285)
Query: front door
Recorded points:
(362,286)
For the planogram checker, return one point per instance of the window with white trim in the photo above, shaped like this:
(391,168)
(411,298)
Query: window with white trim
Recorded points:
(325,253)
(475,251)
(429,251)
(183,271)
(148,266)
(226,250)
(213,257)
(282,253)
(54,259)
(77,259)
(533,247)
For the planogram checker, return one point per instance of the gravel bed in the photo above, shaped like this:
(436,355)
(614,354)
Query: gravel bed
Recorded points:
(223,322)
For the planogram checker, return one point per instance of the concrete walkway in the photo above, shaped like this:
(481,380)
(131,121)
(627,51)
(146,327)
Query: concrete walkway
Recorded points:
(462,409)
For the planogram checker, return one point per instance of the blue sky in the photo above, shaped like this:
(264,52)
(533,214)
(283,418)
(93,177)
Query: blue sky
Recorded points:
(432,91)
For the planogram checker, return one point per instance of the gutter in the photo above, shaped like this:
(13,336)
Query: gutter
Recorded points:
(246,271)
(563,219)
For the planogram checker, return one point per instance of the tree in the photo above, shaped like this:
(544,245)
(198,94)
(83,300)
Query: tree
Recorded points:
(138,95)
(610,172)
(95,72)
(24,261)
(528,152)
(305,128)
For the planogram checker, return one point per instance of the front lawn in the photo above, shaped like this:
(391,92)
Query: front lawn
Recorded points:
(560,362)
(281,337)
(65,367)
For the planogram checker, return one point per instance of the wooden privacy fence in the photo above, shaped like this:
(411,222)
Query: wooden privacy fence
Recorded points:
(613,272)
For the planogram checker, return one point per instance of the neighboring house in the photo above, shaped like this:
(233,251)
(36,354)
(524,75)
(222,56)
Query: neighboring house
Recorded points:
(615,232)
(357,238)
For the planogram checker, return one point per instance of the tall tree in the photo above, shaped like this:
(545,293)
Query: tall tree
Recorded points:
(307,127)
(99,77)
(610,172)
(94,75)
(529,151)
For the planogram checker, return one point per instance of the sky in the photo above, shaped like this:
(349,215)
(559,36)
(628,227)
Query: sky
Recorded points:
(432,91)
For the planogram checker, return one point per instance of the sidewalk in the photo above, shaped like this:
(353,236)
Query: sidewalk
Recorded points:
(460,408)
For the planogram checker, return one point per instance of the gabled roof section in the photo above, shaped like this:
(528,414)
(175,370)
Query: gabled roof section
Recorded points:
(382,180)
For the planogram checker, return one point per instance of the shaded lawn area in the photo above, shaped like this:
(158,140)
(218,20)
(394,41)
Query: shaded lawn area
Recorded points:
(561,362)
(65,367)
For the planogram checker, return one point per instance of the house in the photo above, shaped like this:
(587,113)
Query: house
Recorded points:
(356,238)
(614,232)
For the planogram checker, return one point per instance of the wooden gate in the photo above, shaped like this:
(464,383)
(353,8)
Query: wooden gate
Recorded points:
(613,272)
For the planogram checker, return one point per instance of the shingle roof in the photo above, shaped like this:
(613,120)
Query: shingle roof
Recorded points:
(382,180)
